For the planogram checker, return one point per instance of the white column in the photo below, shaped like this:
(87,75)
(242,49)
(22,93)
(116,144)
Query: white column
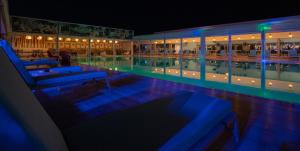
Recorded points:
(180,55)
(263,63)
(164,57)
(1,13)
(113,48)
(229,58)
(202,57)
(131,54)
(57,38)
(139,52)
(131,48)
(89,52)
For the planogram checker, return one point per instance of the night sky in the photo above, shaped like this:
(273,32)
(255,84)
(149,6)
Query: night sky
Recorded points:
(146,17)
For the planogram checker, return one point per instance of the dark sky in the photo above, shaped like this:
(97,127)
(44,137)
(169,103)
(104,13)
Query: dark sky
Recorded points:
(146,17)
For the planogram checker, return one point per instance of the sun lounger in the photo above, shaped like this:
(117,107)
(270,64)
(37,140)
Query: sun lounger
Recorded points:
(53,79)
(40,62)
(208,115)
(292,53)
(26,124)
(185,121)
(252,53)
(222,53)
(40,72)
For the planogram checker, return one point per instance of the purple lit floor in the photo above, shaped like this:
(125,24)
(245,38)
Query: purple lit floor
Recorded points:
(264,124)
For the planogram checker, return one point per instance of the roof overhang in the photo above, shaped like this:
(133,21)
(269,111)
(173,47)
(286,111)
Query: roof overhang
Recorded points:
(268,25)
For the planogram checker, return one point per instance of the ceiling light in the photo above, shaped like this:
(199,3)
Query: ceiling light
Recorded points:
(270,36)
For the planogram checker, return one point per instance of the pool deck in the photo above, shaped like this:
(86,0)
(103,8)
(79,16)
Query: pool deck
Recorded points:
(264,124)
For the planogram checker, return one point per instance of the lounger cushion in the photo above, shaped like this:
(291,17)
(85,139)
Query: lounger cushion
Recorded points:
(206,112)
(53,71)
(40,62)
(73,77)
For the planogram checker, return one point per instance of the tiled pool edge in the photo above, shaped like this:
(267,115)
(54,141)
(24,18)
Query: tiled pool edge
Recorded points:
(257,92)
(251,91)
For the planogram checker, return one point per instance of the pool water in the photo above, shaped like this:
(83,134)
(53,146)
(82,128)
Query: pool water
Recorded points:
(281,82)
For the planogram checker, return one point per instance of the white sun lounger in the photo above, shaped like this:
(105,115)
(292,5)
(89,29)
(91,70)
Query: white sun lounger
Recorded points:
(50,80)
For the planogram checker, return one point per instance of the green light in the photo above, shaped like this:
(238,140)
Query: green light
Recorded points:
(264,27)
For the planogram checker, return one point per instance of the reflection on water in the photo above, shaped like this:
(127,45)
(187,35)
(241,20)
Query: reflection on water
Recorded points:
(278,76)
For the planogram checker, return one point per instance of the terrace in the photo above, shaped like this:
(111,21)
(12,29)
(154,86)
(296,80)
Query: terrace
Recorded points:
(69,86)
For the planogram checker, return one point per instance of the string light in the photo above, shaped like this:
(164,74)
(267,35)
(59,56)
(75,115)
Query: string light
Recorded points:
(50,38)
(28,37)
(39,38)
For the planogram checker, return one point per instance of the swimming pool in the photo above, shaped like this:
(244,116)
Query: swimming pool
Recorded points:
(281,82)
